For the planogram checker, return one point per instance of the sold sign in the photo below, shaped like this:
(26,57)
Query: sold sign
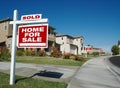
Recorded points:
(31,17)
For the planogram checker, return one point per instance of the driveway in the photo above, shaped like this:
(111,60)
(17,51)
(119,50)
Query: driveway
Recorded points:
(95,74)
(46,72)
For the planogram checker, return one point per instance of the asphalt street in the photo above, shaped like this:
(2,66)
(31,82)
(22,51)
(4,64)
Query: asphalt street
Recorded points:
(115,60)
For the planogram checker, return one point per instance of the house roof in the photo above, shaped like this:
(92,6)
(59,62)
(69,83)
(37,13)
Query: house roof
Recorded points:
(51,28)
(61,35)
(6,19)
(76,37)
(97,48)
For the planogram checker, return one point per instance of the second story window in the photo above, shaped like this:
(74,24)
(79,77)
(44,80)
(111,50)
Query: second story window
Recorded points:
(8,43)
(62,38)
(5,25)
(81,40)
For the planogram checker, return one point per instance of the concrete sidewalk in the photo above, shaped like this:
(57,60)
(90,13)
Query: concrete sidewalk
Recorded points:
(46,72)
(95,74)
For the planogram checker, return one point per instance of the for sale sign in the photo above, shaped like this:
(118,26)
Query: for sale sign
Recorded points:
(33,36)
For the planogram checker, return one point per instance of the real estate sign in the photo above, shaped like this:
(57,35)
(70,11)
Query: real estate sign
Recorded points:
(29,36)
(33,36)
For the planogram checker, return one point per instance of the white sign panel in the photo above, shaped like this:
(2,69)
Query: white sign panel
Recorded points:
(31,17)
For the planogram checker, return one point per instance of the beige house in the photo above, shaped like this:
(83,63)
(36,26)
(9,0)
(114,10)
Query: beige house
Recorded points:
(69,44)
(5,33)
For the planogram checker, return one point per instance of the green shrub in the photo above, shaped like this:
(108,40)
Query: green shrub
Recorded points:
(95,53)
(5,55)
(27,53)
(20,53)
(33,53)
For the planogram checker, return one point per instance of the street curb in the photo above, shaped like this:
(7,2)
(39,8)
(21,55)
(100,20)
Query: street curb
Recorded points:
(112,68)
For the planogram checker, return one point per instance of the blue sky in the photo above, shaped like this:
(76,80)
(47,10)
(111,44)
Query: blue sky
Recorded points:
(98,21)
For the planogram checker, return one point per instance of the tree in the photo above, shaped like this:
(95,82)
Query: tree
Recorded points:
(115,50)
(5,54)
(118,42)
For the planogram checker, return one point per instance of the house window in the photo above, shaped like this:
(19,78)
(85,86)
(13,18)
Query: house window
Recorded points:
(8,43)
(81,41)
(82,44)
(5,25)
(62,38)
(81,48)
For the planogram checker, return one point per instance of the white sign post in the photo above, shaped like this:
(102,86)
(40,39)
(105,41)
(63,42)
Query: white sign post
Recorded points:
(15,22)
(13,53)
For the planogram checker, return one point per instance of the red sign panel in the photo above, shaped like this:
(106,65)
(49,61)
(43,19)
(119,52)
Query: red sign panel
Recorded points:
(33,36)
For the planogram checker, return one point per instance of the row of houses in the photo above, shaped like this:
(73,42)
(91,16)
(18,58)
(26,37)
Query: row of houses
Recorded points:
(90,49)
(64,43)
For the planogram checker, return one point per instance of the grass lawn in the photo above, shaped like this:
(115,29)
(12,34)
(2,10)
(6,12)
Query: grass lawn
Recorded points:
(48,60)
(29,83)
